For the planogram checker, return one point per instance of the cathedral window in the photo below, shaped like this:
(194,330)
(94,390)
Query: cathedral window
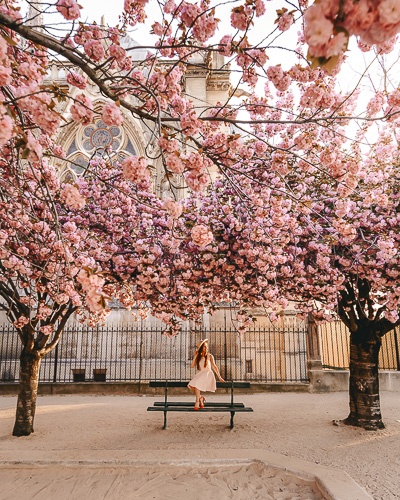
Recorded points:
(100,136)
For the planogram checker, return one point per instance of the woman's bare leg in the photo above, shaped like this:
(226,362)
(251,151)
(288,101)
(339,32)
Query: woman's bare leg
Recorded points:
(197,394)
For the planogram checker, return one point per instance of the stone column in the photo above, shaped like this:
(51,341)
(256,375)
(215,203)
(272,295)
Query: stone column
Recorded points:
(314,361)
(320,380)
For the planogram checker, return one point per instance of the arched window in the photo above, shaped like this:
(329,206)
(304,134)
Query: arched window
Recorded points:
(76,165)
(92,140)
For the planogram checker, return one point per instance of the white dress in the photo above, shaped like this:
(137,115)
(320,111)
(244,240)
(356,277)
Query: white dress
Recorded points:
(204,380)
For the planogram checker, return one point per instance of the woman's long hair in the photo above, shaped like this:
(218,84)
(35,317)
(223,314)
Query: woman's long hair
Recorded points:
(201,353)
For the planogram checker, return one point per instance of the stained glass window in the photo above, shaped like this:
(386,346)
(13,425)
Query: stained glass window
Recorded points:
(99,136)
(97,140)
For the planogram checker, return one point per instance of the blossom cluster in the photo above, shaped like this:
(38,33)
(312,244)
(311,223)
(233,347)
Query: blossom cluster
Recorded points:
(328,25)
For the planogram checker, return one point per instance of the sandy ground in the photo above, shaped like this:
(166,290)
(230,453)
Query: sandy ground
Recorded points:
(75,435)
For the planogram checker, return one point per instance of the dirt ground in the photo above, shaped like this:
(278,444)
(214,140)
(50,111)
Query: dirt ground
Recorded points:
(118,429)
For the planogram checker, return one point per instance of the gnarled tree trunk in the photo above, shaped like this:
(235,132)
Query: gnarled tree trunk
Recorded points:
(27,395)
(365,410)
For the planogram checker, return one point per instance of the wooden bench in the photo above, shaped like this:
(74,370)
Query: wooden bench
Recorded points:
(231,407)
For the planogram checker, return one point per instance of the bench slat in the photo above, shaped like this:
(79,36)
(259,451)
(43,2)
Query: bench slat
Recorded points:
(236,385)
(213,405)
(234,409)
(221,385)
(161,383)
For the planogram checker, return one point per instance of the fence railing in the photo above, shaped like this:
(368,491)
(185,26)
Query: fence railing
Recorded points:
(266,354)
(141,353)
(335,350)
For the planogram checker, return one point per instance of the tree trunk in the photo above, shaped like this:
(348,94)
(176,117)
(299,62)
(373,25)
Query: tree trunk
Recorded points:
(27,395)
(365,410)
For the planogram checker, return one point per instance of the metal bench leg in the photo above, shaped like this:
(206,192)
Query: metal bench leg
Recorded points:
(232,415)
(165,403)
(165,420)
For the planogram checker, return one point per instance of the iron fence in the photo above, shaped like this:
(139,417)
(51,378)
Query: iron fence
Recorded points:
(141,353)
(335,347)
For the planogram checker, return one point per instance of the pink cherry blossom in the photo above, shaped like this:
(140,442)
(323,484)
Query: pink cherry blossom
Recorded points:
(376,103)
(92,283)
(134,11)
(6,127)
(3,48)
(135,169)
(201,235)
(205,27)
(5,75)
(389,12)
(40,108)
(189,13)
(68,8)
(72,197)
(318,29)
(21,322)
(336,45)
(117,51)
(197,181)
(275,73)
(169,6)
(59,151)
(178,105)
(82,109)
(175,163)
(285,21)
(168,145)
(34,149)
(239,19)
(225,45)
(111,114)
(173,208)
(260,7)
(394,99)
(95,50)
(31,72)
(190,123)
(76,80)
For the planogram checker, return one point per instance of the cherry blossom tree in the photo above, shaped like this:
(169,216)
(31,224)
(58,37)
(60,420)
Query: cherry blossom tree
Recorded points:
(42,281)
(70,249)
(344,259)
(324,238)
(332,256)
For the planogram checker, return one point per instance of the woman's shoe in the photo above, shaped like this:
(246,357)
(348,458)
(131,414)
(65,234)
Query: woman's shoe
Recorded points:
(202,401)
(197,407)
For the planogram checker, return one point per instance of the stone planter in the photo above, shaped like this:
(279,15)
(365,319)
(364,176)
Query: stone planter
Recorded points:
(99,374)
(78,374)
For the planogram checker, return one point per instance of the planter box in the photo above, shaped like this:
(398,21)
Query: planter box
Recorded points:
(99,374)
(78,374)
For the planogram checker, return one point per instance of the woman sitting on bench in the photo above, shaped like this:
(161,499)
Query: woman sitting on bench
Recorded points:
(204,380)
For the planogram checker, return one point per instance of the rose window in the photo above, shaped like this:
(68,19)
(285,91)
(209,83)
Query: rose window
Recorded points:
(99,136)
(96,140)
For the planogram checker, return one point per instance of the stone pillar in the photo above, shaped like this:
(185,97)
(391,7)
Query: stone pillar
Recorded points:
(314,361)
(195,82)
(320,380)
